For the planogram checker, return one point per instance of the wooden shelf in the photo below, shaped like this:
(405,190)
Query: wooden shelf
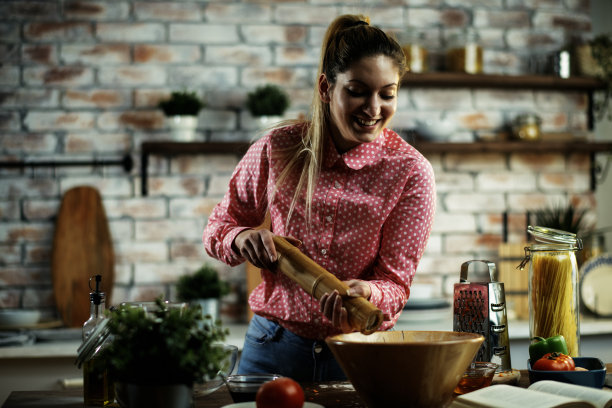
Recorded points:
(167,148)
(476,81)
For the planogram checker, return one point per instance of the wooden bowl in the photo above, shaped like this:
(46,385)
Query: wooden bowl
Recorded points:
(405,368)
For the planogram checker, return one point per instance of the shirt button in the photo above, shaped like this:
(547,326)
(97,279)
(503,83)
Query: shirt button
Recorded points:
(337,185)
(329,218)
(318,348)
(324,251)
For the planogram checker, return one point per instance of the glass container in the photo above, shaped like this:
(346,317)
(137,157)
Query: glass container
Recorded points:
(414,50)
(465,53)
(553,286)
(527,127)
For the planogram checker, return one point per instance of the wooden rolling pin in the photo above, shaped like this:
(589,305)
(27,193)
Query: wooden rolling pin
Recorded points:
(317,281)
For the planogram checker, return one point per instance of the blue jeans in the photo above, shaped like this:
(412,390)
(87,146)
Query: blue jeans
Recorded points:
(270,348)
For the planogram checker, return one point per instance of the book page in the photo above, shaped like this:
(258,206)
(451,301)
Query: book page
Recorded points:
(508,396)
(599,398)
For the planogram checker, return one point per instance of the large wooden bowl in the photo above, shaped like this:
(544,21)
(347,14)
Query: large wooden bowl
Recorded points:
(405,368)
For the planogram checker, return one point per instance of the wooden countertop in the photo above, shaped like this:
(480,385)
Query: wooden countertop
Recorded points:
(329,394)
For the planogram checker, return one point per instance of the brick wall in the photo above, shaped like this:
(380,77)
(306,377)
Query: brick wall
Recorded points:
(79,80)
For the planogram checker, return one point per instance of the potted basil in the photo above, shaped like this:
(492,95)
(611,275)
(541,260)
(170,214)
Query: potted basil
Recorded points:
(181,110)
(156,353)
(267,103)
(204,288)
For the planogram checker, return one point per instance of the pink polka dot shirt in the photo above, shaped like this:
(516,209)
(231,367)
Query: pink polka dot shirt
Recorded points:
(372,213)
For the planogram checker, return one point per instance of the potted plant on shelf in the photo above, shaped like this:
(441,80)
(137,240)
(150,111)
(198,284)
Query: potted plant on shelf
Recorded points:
(156,356)
(594,59)
(204,288)
(267,103)
(181,110)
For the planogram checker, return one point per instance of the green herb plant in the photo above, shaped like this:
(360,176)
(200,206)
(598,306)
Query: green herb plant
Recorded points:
(163,347)
(267,100)
(202,284)
(181,103)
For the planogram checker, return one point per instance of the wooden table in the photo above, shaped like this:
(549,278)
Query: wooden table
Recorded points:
(329,394)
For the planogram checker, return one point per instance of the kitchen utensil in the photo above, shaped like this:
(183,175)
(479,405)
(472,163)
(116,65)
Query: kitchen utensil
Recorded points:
(595,284)
(18,318)
(595,376)
(480,307)
(438,130)
(244,387)
(407,368)
(478,375)
(82,247)
(317,281)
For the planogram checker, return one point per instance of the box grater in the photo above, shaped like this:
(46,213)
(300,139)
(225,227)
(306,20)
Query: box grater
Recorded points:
(480,307)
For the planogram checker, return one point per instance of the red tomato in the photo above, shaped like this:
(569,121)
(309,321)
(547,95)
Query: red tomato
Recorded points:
(555,362)
(281,393)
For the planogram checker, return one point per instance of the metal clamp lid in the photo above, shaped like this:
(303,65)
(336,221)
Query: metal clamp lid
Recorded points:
(554,236)
(464,270)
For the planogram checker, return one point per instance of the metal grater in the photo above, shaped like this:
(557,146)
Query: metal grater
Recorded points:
(480,307)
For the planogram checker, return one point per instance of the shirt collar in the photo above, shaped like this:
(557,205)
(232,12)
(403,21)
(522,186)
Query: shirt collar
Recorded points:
(359,156)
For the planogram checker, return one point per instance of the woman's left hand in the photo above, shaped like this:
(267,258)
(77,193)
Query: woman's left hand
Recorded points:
(331,304)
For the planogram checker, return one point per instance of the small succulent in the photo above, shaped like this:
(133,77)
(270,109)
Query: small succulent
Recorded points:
(181,103)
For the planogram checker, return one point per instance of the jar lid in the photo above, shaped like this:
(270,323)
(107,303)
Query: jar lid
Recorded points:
(528,119)
(554,236)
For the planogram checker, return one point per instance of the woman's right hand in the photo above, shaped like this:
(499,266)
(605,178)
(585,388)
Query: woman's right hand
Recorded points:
(257,247)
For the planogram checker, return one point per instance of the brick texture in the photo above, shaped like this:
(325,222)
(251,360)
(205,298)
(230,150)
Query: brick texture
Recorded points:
(80,80)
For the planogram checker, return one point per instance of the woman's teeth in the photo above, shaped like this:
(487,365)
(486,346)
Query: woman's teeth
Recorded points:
(366,122)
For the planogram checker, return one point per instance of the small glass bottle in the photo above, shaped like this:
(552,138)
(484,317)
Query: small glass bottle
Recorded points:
(554,303)
(97,390)
(414,50)
(465,53)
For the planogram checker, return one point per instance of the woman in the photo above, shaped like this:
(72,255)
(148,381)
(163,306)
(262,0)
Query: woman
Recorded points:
(353,196)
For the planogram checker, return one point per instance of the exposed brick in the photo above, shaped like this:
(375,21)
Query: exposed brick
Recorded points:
(29,10)
(454,17)
(9,210)
(131,75)
(218,185)
(10,121)
(505,181)
(30,98)
(537,162)
(107,186)
(97,10)
(13,232)
(141,120)
(501,99)
(9,255)
(10,298)
(238,55)
(130,32)
(27,187)
(180,230)
(454,181)
(530,201)
(67,76)
(238,13)
(564,182)
(569,21)
(148,98)
(136,208)
(123,228)
(147,53)
(426,99)
(296,55)
(197,207)
(96,98)
(303,14)
(58,31)
(176,186)
(437,265)
(19,276)
(186,251)
(252,77)
(57,120)
(474,162)
(470,243)
(40,210)
(97,142)
(445,222)
(37,254)
(167,11)
(501,18)
(138,252)
(9,53)
(521,39)
(35,297)
(195,76)
(9,31)
(9,75)
(474,202)
(96,54)
(278,34)
(386,17)
(204,164)
(148,274)
(423,17)
(204,33)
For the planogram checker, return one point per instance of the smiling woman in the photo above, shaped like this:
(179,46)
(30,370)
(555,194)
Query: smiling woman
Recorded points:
(346,190)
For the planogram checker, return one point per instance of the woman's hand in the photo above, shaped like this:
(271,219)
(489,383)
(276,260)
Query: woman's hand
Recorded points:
(257,247)
(331,304)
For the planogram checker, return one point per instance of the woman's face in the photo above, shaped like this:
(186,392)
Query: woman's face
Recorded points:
(361,101)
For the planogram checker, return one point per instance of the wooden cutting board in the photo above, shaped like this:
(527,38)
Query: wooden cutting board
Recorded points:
(82,248)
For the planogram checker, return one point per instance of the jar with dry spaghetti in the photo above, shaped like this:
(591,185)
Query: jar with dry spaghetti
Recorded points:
(554,307)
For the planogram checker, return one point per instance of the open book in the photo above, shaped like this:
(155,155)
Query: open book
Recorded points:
(541,394)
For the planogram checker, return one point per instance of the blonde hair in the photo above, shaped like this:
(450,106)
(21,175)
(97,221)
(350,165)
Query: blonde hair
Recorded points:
(348,39)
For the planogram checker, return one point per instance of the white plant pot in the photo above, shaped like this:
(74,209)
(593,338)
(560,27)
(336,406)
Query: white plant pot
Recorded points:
(183,127)
(209,307)
(265,122)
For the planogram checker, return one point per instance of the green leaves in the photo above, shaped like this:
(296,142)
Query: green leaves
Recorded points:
(203,284)
(181,103)
(166,346)
(267,100)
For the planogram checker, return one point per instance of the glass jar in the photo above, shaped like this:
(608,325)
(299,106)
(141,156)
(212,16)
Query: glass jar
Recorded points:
(414,50)
(465,53)
(554,307)
(527,127)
